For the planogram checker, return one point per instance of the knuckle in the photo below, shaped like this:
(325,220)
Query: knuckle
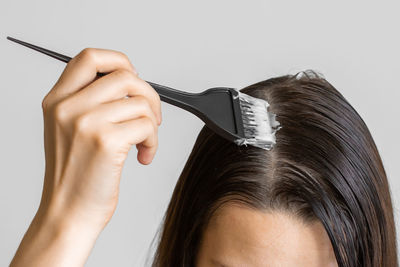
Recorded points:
(141,101)
(124,56)
(105,141)
(156,96)
(61,112)
(126,60)
(150,125)
(124,74)
(144,104)
(153,138)
(45,103)
(82,124)
(87,54)
(146,109)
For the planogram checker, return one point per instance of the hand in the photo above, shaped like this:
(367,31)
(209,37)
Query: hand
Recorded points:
(90,124)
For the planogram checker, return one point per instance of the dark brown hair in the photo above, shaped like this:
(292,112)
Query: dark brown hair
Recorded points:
(325,166)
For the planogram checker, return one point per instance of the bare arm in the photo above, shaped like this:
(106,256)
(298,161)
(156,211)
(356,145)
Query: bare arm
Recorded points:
(89,127)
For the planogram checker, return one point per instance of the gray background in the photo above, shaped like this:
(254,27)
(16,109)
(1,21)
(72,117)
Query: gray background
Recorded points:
(189,46)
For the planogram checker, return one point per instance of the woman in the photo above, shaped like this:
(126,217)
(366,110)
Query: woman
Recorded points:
(320,197)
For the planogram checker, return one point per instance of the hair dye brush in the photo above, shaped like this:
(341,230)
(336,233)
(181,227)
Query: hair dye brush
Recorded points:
(238,117)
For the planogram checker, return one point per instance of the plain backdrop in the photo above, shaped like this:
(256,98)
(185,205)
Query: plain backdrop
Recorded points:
(192,46)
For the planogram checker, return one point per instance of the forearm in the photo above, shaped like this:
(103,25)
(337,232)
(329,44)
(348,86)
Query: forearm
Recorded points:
(87,139)
(56,241)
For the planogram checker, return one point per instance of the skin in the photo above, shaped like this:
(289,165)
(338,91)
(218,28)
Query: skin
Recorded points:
(90,124)
(238,236)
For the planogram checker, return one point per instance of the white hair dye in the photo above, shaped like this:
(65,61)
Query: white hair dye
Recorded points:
(259,124)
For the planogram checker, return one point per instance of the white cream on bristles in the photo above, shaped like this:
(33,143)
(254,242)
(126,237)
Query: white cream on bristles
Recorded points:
(260,125)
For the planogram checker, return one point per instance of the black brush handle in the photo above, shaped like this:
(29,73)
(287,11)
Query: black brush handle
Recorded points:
(185,100)
(218,107)
(172,96)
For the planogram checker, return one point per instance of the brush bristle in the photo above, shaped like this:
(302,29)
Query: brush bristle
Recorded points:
(259,124)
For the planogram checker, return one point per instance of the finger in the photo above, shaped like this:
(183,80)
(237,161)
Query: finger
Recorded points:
(139,131)
(146,154)
(116,85)
(83,68)
(123,110)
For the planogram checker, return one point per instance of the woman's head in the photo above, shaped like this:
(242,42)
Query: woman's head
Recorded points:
(324,175)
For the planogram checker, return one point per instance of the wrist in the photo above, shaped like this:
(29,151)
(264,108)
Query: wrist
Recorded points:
(71,206)
(56,240)
(66,225)
(69,219)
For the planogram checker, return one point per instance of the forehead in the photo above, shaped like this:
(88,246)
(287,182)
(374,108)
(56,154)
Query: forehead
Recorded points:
(238,236)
